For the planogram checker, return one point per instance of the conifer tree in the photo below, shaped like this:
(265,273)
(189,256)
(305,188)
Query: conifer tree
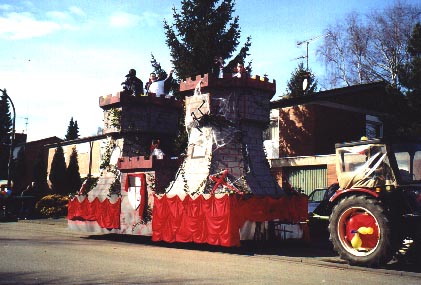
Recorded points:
(202,31)
(5,134)
(58,172)
(161,73)
(18,169)
(302,83)
(40,174)
(5,120)
(72,173)
(72,130)
(410,78)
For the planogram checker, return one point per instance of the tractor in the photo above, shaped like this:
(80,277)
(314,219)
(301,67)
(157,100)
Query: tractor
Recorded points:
(377,204)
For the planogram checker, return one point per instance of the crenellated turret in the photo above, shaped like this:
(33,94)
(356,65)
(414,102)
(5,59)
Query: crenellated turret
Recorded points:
(225,118)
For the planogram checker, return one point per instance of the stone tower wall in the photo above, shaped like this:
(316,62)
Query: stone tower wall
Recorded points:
(225,119)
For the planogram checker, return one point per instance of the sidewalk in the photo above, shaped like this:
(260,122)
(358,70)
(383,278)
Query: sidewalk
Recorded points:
(62,221)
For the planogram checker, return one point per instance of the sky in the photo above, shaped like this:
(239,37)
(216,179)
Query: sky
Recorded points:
(58,57)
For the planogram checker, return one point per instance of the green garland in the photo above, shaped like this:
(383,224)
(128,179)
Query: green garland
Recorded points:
(114,118)
(151,181)
(115,187)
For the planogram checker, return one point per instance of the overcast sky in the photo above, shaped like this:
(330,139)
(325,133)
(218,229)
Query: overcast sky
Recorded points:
(58,57)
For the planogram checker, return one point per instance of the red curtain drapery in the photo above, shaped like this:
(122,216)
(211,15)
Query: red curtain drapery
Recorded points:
(105,213)
(217,221)
(197,220)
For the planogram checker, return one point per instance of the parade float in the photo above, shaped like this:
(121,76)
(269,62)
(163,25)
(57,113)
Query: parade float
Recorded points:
(219,192)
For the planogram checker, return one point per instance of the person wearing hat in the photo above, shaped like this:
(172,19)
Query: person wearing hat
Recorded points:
(132,83)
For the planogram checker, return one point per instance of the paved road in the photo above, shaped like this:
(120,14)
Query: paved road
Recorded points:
(46,252)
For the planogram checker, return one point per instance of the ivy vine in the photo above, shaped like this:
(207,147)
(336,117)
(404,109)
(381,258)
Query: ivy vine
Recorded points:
(115,187)
(114,118)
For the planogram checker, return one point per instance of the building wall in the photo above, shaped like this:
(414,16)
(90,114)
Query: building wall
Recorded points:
(334,126)
(83,150)
(32,152)
(314,129)
(281,166)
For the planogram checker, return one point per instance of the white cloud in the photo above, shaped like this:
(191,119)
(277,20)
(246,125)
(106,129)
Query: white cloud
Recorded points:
(151,19)
(5,7)
(77,11)
(123,19)
(61,16)
(23,25)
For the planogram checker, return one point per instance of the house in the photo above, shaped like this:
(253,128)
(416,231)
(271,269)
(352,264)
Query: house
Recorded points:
(33,152)
(306,129)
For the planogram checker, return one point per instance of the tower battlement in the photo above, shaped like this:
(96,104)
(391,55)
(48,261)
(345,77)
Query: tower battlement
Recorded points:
(144,114)
(254,82)
(111,100)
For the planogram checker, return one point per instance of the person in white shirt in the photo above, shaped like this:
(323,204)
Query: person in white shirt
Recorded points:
(240,71)
(157,87)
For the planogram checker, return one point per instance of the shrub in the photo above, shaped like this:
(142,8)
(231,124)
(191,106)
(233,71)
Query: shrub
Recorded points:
(52,206)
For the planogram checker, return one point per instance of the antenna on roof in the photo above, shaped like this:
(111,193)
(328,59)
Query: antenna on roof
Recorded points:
(307,42)
(26,125)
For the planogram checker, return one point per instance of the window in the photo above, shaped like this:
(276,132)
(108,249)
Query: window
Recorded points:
(373,127)
(417,165)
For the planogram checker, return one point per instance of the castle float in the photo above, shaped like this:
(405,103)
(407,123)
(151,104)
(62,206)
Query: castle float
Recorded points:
(219,192)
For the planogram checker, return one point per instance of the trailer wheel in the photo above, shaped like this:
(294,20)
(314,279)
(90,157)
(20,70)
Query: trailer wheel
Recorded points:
(361,232)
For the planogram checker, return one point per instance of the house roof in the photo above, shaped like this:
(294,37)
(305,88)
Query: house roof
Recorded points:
(367,98)
(46,140)
(83,140)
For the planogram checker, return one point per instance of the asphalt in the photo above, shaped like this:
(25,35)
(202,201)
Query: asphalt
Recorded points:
(52,221)
(318,251)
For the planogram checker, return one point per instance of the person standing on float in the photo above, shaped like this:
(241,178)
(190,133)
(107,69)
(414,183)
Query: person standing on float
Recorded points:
(156,86)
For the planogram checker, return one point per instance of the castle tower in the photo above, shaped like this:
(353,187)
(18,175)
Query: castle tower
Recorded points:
(141,119)
(122,198)
(225,119)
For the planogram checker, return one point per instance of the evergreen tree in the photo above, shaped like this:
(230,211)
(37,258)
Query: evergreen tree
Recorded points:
(58,172)
(5,134)
(410,78)
(160,73)
(72,173)
(19,170)
(5,120)
(173,86)
(72,130)
(202,31)
(302,83)
(40,175)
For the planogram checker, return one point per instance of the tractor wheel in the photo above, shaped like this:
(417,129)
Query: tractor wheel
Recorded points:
(361,232)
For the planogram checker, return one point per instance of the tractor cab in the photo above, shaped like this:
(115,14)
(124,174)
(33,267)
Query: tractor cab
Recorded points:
(377,164)
(378,203)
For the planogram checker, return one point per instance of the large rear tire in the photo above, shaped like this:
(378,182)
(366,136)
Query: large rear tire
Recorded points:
(355,213)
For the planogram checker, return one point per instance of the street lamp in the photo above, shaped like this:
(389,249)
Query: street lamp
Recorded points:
(12,140)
